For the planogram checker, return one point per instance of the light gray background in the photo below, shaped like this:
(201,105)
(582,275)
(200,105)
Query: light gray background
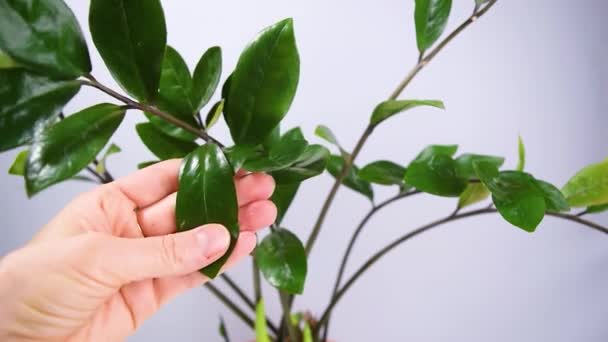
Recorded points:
(535,68)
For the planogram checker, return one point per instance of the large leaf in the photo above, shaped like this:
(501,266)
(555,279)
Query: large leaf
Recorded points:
(389,108)
(44,36)
(69,146)
(170,129)
(206,77)
(554,199)
(474,193)
(207,195)
(310,164)
(261,330)
(131,36)
(282,197)
(161,145)
(352,179)
(464,163)
(263,84)
(383,172)
(589,186)
(175,87)
(28,104)
(431,17)
(282,259)
(432,150)
(281,154)
(435,172)
(515,194)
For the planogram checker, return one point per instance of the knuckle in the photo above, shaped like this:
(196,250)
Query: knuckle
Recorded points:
(170,253)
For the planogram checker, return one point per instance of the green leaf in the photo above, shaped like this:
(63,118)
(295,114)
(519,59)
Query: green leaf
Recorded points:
(554,200)
(238,155)
(131,36)
(596,209)
(6,62)
(352,179)
(175,87)
(282,259)
(515,194)
(281,155)
(431,17)
(389,108)
(521,151)
(464,164)
(310,164)
(170,129)
(101,166)
(326,134)
(146,164)
(474,193)
(206,77)
(58,153)
(214,114)
(263,84)
(261,331)
(589,186)
(307,333)
(432,150)
(222,330)
(207,195)
(44,35)
(383,172)
(18,166)
(282,197)
(435,172)
(161,145)
(28,104)
(273,138)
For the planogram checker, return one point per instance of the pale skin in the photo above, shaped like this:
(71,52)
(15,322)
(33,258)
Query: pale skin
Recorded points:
(111,258)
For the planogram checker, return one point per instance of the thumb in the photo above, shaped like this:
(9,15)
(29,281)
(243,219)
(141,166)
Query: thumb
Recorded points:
(163,256)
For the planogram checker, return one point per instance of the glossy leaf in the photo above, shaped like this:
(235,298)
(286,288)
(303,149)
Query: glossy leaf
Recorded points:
(389,108)
(175,87)
(161,145)
(282,259)
(6,62)
(431,17)
(281,155)
(101,166)
(238,155)
(131,36)
(352,179)
(436,175)
(170,129)
(474,193)
(589,186)
(273,138)
(28,104)
(18,166)
(554,199)
(206,77)
(432,150)
(207,195)
(383,172)
(464,164)
(214,114)
(45,36)
(521,152)
(263,84)
(596,209)
(310,164)
(261,330)
(58,153)
(282,197)
(515,195)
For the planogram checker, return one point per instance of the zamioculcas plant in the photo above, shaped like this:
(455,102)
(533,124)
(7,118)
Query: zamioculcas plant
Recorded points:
(44,66)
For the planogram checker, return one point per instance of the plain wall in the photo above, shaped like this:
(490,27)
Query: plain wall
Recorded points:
(535,68)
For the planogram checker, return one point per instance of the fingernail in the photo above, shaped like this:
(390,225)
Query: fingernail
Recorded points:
(213,240)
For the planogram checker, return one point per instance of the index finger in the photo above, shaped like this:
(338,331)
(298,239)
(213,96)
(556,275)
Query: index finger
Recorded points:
(148,186)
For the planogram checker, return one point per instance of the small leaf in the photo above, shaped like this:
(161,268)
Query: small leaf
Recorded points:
(101,166)
(435,172)
(515,194)
(383,172)
(282,259)
(589,186)
(282,197)
(521,151)
(146,164)
(44,35)
(6,62)
(554,200)
(131,36)
(307,333)
(58,153)
(431,17)
(596,209)
(28,104)
(222,330)
(389,108)
(175,87)
(18,166)
(474,193)
(281,155)
(263,84)
(326,134)
(310,164)
(261,331)
(352,180)
(214,114)
(206,77)
(161,145)
(207,195)
(464,164)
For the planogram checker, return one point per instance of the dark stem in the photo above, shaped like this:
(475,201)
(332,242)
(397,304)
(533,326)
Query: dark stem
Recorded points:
(582,213)
(230,304)
(100,178)
(257,281)
(285,303)
(378,255)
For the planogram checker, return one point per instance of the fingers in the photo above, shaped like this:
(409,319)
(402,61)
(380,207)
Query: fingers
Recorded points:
(257,215)
(150,185)
(158,219)
(254,187)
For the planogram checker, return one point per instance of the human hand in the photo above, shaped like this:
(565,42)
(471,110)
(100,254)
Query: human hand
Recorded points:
(110,259)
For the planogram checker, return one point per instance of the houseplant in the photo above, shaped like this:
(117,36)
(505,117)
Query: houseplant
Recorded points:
(434,171)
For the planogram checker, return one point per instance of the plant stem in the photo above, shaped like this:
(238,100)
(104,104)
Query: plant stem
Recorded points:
(285,303)
(378,255)
(231,305)
(257,282)
(100,178)
(92,82)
